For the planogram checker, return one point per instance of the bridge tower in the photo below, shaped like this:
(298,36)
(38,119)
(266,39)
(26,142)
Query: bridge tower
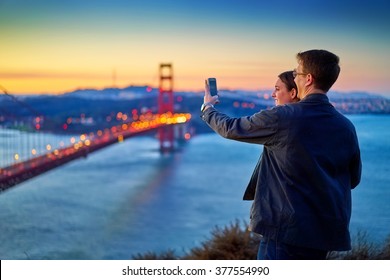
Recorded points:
(165,105)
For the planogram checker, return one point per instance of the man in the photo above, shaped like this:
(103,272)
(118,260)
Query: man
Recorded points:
(310,162)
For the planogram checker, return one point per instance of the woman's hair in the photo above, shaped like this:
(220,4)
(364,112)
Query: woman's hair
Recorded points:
(288,79)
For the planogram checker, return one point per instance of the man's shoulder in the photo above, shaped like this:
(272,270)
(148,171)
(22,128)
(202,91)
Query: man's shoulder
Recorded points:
(288,109)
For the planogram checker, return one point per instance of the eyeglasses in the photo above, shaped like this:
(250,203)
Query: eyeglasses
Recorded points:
(295,73)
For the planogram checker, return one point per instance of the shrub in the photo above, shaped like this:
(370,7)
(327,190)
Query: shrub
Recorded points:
(363,249)
(231,242)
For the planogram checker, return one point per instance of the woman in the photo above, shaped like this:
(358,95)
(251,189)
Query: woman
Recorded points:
(285,92)
(285,89)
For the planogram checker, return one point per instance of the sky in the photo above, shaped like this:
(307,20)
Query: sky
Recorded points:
(59,46)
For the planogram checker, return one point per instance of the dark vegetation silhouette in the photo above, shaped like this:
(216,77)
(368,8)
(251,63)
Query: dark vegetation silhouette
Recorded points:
(235,242)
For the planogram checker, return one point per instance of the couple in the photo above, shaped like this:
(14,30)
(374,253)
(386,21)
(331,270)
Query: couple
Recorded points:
(301,186)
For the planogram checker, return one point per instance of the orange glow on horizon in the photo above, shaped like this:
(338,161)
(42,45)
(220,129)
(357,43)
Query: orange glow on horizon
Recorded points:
(55,89)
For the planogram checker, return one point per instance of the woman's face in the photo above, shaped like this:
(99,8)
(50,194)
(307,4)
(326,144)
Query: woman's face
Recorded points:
(282,95)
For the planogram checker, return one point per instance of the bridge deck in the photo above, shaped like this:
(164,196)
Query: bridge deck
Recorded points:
(22,171)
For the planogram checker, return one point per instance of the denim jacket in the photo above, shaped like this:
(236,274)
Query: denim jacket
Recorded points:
(301,186)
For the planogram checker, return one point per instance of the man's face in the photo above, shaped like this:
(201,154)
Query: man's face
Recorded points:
(300,80)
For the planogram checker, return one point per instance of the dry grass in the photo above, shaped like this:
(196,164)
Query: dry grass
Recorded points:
(363,249)
(235,242)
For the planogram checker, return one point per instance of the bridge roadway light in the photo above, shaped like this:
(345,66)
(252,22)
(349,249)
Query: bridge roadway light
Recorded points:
(181,119)
(187,136)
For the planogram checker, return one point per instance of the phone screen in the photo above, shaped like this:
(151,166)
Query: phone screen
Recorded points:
(212,82)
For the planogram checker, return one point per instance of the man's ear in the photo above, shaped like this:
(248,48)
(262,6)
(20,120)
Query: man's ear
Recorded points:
(309,80)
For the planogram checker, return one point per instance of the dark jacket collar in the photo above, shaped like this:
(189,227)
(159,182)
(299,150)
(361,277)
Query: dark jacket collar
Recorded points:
(315,97)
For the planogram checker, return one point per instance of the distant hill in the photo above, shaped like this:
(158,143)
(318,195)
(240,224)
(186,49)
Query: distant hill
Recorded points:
(353,95)
(131,92)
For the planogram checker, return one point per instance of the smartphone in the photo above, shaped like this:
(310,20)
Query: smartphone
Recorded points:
(212,83)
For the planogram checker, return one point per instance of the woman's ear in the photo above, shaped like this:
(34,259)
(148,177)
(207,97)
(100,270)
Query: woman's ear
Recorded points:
(293,93)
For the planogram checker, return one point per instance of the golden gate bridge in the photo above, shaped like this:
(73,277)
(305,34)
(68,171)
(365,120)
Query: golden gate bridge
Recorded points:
(169,126)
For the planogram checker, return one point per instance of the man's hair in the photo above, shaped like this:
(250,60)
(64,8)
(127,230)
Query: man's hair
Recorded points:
(288,79)
(322,65)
